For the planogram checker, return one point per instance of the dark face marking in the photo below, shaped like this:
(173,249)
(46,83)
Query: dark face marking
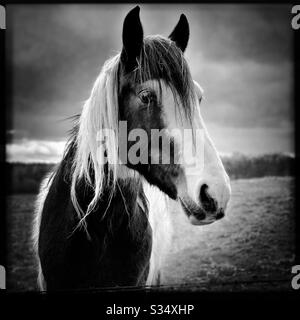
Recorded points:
(141,107)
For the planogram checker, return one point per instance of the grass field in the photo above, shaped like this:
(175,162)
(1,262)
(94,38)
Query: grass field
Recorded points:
(250,249)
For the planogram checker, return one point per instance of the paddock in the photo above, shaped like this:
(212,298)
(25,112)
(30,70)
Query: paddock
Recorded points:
(243,252)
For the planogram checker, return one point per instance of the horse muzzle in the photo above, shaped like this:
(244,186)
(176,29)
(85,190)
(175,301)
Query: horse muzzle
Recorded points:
(198,215)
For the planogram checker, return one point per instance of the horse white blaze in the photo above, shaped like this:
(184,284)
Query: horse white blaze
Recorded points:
(214,174)
(208,169)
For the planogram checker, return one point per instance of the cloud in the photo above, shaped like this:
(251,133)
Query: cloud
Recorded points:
(240,54)
(35,151)
(251,94)
(252,141)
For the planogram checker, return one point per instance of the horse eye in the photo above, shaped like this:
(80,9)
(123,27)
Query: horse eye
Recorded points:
(146,97)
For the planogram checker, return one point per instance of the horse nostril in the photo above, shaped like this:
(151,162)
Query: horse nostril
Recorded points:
(220,214)
(208,203)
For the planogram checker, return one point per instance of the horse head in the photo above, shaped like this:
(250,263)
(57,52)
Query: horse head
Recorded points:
(158,96)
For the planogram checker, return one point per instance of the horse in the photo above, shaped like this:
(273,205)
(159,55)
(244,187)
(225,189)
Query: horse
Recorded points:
(102,220)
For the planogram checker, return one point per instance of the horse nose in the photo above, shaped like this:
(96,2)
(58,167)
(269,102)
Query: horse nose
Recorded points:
(213,199)
(208,203)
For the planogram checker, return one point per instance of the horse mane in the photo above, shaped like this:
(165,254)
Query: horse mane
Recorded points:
(100,112)
(159,59)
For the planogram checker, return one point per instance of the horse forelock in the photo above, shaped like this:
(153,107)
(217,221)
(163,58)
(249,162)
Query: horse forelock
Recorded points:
(160,59)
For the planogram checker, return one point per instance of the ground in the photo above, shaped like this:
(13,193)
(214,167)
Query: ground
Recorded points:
(252,248)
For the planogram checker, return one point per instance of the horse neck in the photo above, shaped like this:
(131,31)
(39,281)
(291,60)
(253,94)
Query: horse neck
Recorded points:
(124,207)
(127,199)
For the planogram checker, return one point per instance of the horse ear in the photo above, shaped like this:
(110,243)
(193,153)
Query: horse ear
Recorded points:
(181,33)
(132,39)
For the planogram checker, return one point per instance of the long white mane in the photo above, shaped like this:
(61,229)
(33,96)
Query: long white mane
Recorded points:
(100,112)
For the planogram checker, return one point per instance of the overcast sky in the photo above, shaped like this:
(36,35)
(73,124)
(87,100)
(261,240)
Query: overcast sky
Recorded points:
(240,54)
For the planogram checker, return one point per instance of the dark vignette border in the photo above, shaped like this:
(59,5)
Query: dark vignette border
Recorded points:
(2,150)
(297,138)
(214,303)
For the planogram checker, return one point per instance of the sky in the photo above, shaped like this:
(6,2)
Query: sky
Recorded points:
(242,56)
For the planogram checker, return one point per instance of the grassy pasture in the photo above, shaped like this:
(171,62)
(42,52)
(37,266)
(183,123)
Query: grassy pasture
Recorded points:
(250,249)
